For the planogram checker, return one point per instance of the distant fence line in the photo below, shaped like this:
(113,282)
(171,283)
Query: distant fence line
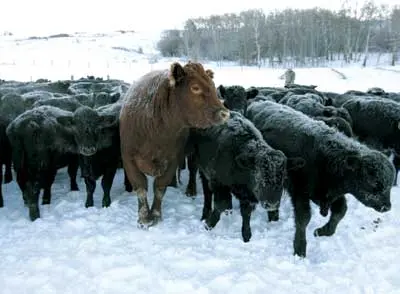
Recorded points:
(25,69)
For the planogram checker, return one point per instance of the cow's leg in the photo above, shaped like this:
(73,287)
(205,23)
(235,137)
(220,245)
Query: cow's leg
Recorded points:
(173,182)
(191,189)
(8,172)
(396,163)
(160,186)
(106,183)
(128,186)
(73,167)
(302,216)
(50,176)
(338,210)
(299,196)
(21,181)
(229,208)
(222,196)
(138,181)
(246,208)
(1,186)
(90,183)
(32,192)
(207,205)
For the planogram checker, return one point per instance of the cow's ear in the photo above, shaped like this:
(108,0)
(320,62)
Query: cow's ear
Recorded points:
(221,90)
(176,74)
(210,73)
(251,93)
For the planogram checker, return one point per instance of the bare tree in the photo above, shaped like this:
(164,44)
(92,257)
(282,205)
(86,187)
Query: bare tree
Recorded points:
(395,34)
(294,37)
(369,13)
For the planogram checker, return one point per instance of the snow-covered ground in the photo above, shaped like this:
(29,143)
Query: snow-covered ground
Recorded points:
(71,249)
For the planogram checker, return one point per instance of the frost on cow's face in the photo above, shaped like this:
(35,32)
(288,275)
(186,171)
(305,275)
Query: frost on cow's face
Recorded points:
(87,125)
(370,178)
(264,169)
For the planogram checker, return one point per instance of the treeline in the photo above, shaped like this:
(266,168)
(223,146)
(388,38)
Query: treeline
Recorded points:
(289,37)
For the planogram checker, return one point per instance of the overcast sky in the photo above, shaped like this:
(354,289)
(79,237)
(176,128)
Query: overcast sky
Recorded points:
(55,16)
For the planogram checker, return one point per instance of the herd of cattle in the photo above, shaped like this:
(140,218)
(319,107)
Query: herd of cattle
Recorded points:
(251,143)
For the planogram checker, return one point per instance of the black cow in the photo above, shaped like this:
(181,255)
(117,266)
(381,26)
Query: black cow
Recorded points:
(376,122)
(234,158)
(235,97)
(46,139)
(5,157)
(338,123)
(335,165)
(106,160)
(66,103)
(313,105)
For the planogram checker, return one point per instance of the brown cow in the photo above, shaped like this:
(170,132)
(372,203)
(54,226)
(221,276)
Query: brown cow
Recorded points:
(155,119)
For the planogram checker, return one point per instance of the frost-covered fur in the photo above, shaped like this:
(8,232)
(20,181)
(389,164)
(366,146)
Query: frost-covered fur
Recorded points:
(105,162)
(47,138)
(157,113)
(377,123)
(234,158)
(66,103)
(338,123)
(235,97)
(103,98)
(313,105)
(12,105)
(335,165)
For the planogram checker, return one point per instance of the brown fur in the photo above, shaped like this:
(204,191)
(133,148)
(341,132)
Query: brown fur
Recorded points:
(155,119)
(210,73)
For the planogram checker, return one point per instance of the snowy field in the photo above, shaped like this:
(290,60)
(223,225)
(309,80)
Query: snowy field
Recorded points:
(71,249)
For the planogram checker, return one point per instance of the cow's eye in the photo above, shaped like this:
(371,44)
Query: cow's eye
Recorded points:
(195,89)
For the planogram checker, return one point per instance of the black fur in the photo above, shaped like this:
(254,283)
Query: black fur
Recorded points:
(376,122)
(5,157)
(338,123)
(66,103)
(234,158)
(46,139)
(335,165)
(313,105)
(105,161)
(235,97)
